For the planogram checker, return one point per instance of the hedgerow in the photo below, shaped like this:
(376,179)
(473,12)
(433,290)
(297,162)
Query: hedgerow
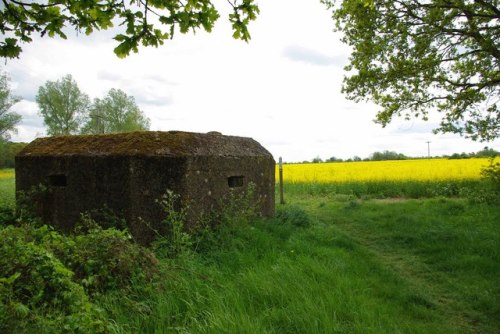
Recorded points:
(48,280)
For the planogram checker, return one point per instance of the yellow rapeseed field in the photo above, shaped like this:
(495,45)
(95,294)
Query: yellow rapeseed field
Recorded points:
(6,173)
(400,170)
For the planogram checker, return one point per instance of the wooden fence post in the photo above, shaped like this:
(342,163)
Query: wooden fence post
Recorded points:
(282,201)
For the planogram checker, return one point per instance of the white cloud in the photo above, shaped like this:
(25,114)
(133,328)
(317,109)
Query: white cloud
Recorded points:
(310,56)
(31,126)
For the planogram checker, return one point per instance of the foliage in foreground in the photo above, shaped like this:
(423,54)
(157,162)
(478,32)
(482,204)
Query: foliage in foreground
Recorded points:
(37,291)
(49,281)
(20,19)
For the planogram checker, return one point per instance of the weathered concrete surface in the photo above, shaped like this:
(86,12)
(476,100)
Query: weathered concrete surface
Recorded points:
(128,172)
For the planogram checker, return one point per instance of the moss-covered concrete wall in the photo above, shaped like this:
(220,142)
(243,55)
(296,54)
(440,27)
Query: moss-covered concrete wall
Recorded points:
(90,172)
(75,185)
(209,180)
(149,179)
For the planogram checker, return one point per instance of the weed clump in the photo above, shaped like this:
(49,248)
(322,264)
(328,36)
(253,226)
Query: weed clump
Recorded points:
(177,241)
(293,215)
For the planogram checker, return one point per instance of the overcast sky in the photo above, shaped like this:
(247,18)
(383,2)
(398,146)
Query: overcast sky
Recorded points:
(282,88)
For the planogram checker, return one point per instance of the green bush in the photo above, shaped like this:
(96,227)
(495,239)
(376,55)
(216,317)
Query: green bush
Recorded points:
(107,259)
(103,218)
(28,208)
(491,174)
(489,192)
(48,280)
(37,291)
(7,216)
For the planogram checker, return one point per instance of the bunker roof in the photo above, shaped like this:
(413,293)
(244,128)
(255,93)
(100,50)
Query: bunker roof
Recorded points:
(146,143)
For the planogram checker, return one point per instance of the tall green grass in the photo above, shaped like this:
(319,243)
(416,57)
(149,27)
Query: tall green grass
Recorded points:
(272,278)
(419,266)
(384,189)
(448,249)
(332,261)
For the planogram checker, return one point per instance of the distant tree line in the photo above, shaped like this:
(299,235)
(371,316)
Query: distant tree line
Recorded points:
(376,156)
(8,151)
(486,152)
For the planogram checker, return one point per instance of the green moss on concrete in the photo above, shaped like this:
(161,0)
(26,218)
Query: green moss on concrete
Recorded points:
(172,143)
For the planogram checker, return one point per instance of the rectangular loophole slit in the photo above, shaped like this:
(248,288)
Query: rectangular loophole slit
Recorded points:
(57,180)
(235,181)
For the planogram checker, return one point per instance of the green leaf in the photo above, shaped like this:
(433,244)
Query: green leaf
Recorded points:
(9,48)
(11,279)
(123,49)
(21,310)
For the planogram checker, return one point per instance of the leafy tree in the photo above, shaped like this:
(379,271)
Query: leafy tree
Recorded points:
(63,106)
(462,155)
(317,160)
(413,56)
(487,152)
(117,112)
(8,151)
(387,155)
(8,119)
(334,159)
(142,20)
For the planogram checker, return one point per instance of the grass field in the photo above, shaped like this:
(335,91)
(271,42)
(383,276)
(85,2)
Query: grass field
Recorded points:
(412,266)
(7,186)
(329,263)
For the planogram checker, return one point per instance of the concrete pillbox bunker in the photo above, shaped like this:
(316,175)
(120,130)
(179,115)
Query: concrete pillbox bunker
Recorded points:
(127,172)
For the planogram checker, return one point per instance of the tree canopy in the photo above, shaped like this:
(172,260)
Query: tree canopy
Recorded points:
(146,22)
(67,110)
(116,112)
(412,57)
(8,119)
(63,106)
(8,151)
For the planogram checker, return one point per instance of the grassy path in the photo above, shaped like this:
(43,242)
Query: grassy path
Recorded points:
(446,250)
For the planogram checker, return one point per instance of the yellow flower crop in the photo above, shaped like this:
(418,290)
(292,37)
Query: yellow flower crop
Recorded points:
(6,174)
(397,170)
